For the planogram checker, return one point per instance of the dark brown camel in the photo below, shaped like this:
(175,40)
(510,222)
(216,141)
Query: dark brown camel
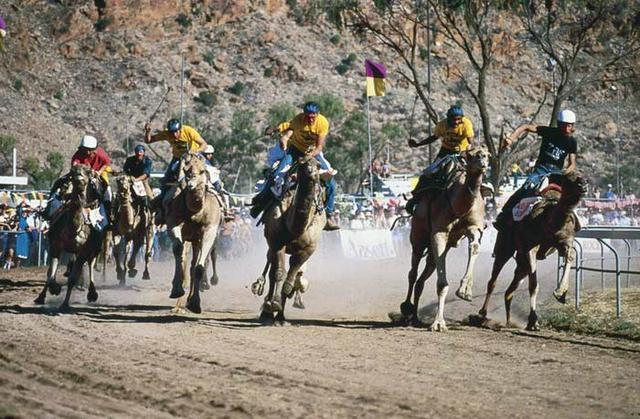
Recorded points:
(294,226)
(440,221)
(133,226)
(193,214)
(70,233)
(551,226)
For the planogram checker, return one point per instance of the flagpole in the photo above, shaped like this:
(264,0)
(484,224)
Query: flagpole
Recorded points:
(370,156)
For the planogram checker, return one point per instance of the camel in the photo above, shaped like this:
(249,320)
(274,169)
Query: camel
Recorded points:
(193,214)
(70,233)
(133,225)
(550,226)
(440,221)
(292,226)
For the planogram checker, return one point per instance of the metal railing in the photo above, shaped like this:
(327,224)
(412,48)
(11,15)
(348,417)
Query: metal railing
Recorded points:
(625,234)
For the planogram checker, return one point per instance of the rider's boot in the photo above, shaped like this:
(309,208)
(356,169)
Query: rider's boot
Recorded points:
(330,224)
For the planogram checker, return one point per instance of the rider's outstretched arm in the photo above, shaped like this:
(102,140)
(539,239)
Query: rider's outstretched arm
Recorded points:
(413,143)
(519,131)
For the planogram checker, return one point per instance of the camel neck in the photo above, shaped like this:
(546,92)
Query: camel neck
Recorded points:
(303,203)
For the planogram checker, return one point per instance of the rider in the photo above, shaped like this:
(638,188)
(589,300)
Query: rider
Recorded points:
(97,159)
(307,132)
(182,139)
(457,135)
(214,178)
(138,166)
(557,146)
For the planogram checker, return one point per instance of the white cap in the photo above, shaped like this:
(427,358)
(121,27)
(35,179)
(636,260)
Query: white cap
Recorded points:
(567,116)
(89,142)
(209,149)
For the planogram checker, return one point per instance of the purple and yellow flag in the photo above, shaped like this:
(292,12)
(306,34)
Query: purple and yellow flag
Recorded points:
(375,78)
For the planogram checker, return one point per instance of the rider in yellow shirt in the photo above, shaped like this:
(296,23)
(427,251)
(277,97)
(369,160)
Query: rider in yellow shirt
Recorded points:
(456,132)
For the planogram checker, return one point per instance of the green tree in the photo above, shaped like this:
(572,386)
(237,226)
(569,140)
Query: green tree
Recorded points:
(43,177)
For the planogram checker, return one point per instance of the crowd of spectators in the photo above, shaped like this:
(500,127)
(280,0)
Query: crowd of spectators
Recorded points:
(19,234)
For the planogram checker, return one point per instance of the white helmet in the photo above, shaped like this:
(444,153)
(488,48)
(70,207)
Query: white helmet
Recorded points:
(209,149)
(567,116)
(89,142)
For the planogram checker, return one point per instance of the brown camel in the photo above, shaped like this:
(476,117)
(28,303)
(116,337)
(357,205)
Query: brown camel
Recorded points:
(550,226)
(440,221)
(193,214)
(294,227)
(70,233)
(133,225)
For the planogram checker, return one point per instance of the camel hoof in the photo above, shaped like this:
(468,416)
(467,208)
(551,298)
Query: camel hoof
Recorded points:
(204,285)
(214,280)
(266,318)
(297,301)
(533,327)
(561,297)
(92,296)
(54,288)
(39,300)
(178,310)
(406,309)
(193,306)
(65,308)
(463,295)
(510,325)
(257,288)
(439,326)
(145,275)
(120,276)
(133,272)
(176,292)
(276,307)
(287,289)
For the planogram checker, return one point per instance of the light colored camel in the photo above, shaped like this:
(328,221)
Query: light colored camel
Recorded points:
(440,221)
(133,226)
(68,232)
(551,226)
(193,214)
(294,226)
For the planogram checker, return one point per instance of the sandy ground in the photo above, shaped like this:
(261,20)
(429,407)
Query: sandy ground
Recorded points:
(128,356)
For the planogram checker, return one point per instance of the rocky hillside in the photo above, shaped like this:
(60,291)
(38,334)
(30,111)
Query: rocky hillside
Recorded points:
(82,66)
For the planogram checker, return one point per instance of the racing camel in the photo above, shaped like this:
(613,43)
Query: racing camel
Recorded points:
(133,225)
(193,214)
(441,220)
(293,226)
(550,226)
(69,232)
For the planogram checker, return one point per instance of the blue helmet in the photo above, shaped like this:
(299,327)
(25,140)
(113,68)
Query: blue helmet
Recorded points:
(311,107)
(454,112)
(173,125)
(139,148)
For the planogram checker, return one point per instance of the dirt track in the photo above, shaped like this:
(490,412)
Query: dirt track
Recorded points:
(128,356)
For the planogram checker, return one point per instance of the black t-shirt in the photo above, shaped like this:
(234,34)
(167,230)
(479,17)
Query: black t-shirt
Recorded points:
(555,147)
(136,168)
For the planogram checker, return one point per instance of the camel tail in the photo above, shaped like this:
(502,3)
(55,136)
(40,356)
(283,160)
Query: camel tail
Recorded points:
(398,218)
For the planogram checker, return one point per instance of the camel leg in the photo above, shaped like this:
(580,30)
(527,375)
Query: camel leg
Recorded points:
(257,287)
(560,293)
(440,248)
(532,323)
(177,289)
(119,255)
(295,263)
(214,256)
(186,279)
(266,314)
(278,273)
(465,291)
(148,247)
(301,285)
(523,268)
(136,244)
(502,255)
(201,252)
(417,250)
(50,284)
(429,267)
(92,294)
(76,271)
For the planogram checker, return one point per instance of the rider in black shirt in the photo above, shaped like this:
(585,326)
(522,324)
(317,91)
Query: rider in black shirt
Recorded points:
(557,146)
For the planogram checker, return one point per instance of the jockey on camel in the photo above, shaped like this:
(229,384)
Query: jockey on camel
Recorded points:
(305,134)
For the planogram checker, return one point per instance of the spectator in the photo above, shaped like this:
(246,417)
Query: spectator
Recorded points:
(608,194)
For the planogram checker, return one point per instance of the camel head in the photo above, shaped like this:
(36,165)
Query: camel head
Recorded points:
(573,187)
(477,160)
(308,168)
(124,187)
(193,169)
(80,179)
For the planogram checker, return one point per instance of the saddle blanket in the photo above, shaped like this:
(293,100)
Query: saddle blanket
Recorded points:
(96,217)
(524,207)
(138,188)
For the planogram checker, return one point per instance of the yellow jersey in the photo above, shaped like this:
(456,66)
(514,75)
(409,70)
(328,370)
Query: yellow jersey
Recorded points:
(186,142)
(305,135)
(456,139)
